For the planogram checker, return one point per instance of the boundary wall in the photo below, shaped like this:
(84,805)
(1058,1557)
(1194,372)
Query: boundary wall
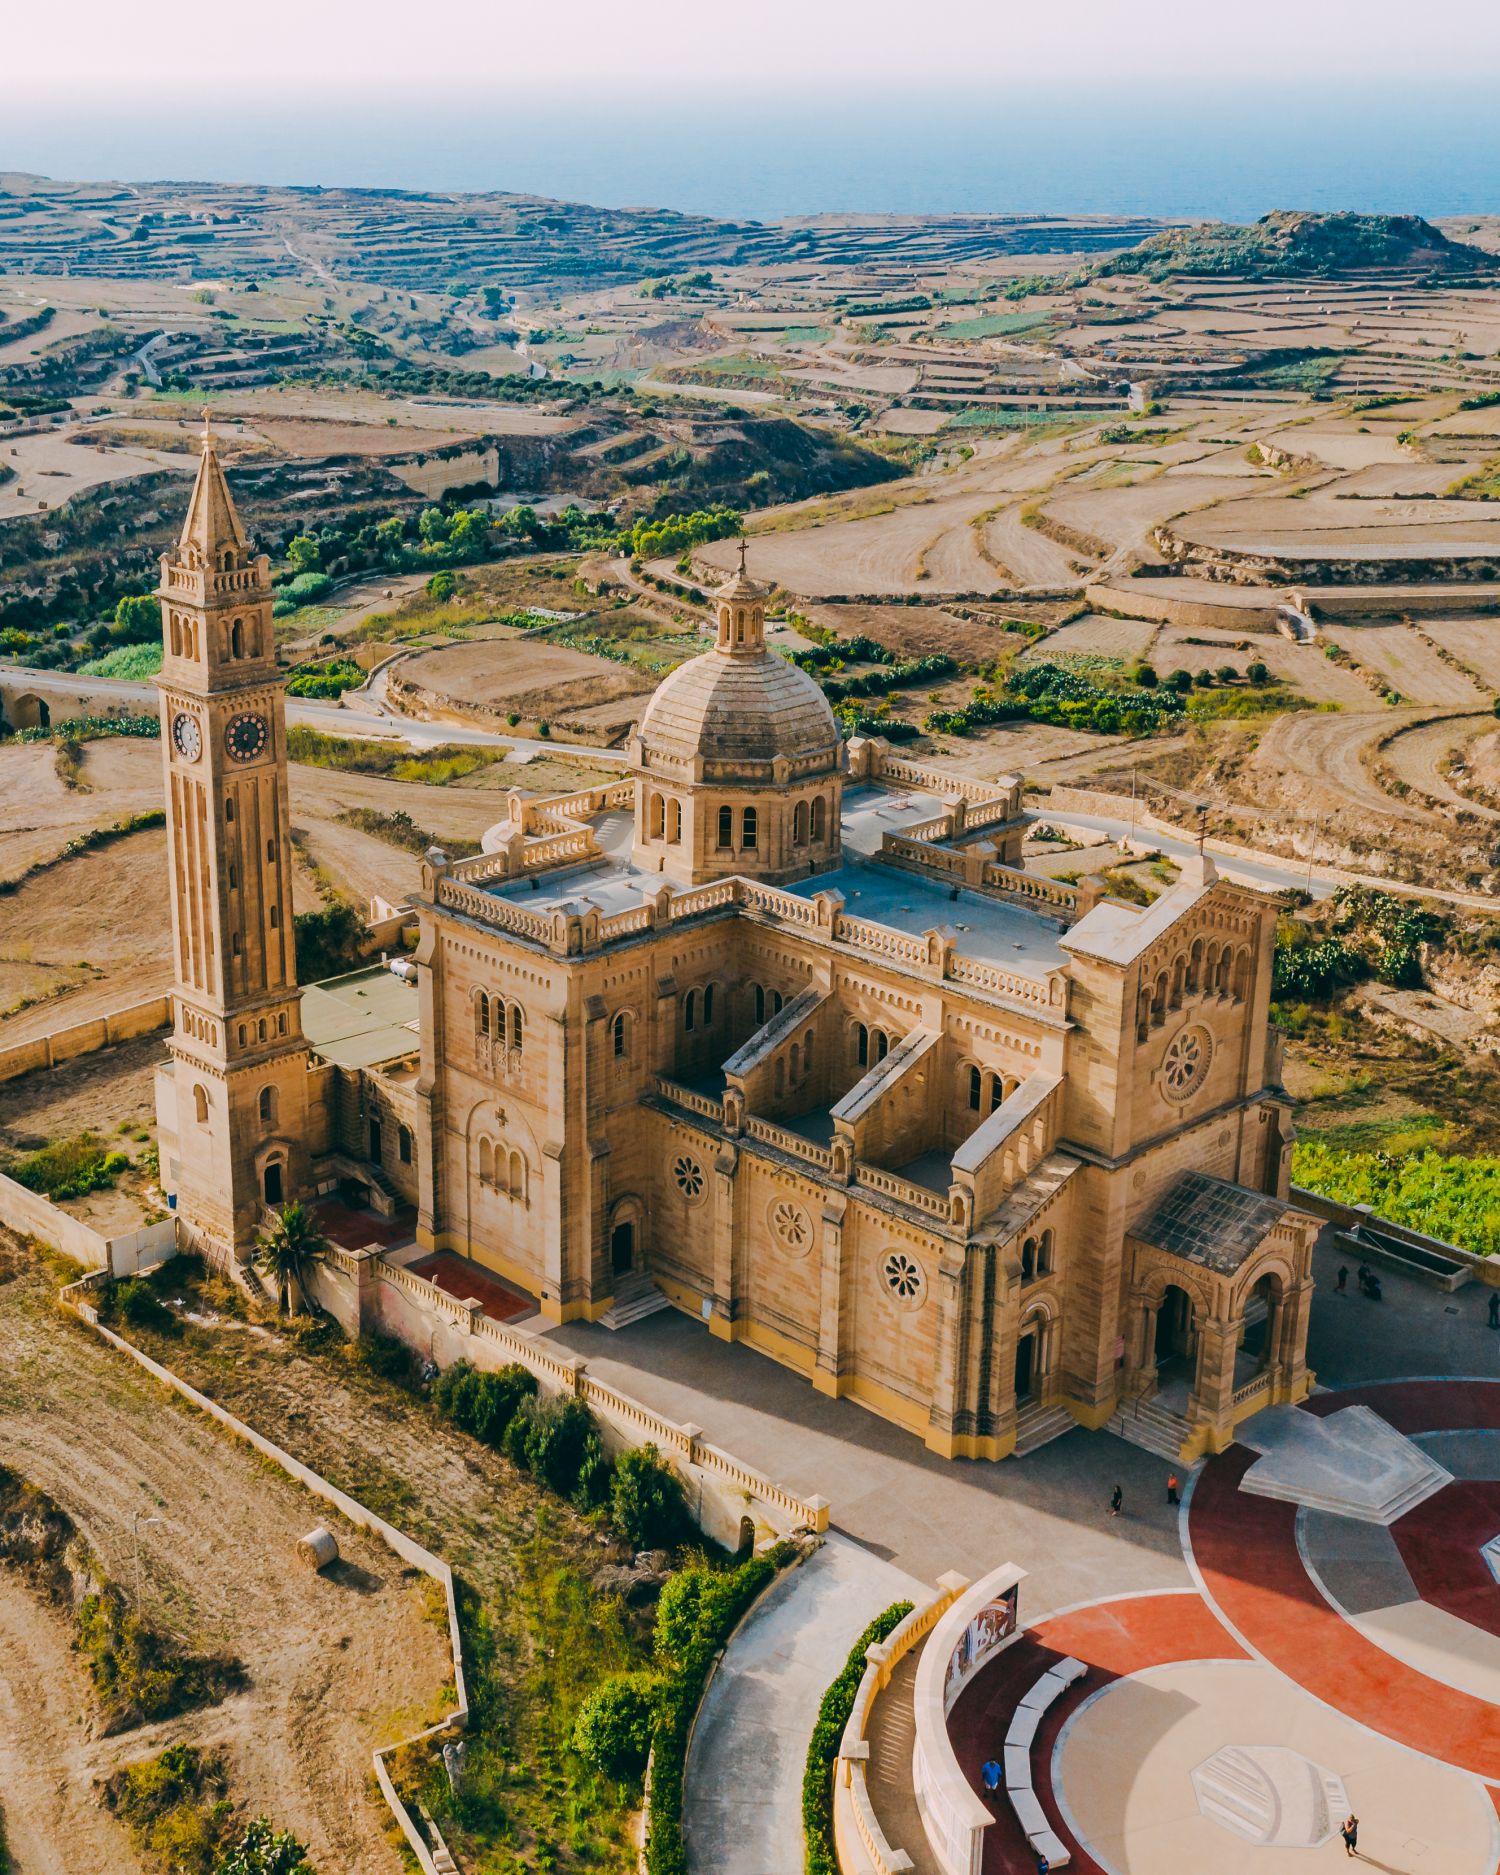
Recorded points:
(74,1297)
(85,1038)
(31,1215)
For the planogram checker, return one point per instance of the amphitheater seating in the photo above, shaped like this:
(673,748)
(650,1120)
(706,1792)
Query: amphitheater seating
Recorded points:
(1018,1739)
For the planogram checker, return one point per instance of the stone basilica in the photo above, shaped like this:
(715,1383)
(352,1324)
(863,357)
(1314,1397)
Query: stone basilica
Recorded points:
(776,1028)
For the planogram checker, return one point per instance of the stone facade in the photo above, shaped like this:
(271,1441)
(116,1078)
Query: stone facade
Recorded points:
(922,1160)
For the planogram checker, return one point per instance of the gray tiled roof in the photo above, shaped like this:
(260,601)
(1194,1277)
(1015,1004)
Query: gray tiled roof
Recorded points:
(1208,1221)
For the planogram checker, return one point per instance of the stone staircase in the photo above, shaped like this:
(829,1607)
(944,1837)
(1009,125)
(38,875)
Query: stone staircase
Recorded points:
(1152,1427)
(1038,1425)
(636,1297)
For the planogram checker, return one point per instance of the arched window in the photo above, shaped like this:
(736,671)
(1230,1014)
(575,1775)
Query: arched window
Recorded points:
(674,821)
(242,1035)
(758,992)
(1044,1254)
(516,1180)
(237,639)
(862,1045)
(726,827)
(281,1023)
(749,829)
(481,1013)
(229,809)
(882,1044)
(739,628)
(997,1092)
(175,625)
(1159,1001)
(1241,974)
(976,1090)
(255,638)
(1221,974)
(486,1162)
(621,1039)
(1028,1259)
(275,917)
(799,824)
(817,818)
(776,1002)
(403,1144)
(708,1004)
(1195,967)
(690,1011)
(1179,974)
(200,1106)
(658,817)
(517,1028)
(268,1106)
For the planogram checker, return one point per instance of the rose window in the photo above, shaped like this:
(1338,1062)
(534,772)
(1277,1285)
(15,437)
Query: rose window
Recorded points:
(689,1176)
(1186,1062)
(903,1276)
(791,1226)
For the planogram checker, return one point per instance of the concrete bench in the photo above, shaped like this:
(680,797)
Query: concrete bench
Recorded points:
(1018,1741)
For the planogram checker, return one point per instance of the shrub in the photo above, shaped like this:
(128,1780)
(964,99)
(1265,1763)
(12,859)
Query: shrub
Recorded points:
(559,1434)
(307,589)
(68,1168)
(613,1729)
(385,1357)
(175,1806)
(264,1851)
(328,942)
(137,1305)
(1455,1197)
(1257,672)
(483,1404)
(1180,680)
(138,1673)
(645,1500)
(833,1716)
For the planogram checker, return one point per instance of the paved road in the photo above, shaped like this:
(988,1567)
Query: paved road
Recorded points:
(743,1783)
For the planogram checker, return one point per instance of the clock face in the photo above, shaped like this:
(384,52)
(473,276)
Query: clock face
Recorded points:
(245,736)
(188,737)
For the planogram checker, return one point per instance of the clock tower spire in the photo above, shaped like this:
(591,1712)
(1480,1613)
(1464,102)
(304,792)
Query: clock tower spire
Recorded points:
(239,1060)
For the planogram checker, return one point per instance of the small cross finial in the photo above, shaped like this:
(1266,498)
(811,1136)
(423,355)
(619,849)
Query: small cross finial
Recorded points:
(1202,824)
(742,554)
(208,434)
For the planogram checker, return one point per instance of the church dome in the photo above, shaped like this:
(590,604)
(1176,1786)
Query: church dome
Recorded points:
(740,712)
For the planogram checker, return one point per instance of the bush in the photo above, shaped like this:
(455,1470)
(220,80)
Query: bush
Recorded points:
(1455,1197)
(559,1437)
(483,1404)
(833,1716)
(307,589)
(175,1807)
(139,1674)
(137,1305)
(385,1357)
(68,1168)
(1180,680)
(328,942)
(613,1729)
(692,1624)
(646,1504)
(264,1851)
(1257,672)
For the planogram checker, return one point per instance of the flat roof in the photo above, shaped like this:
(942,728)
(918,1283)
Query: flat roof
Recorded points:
(362,1020)
(992,930)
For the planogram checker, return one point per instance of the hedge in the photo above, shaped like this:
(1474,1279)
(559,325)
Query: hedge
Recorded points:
(833,1716)
(699,1610)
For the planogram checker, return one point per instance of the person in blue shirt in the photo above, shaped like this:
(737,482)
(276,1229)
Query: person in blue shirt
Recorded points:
(990,1772)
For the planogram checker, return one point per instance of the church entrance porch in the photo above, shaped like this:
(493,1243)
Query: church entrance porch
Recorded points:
(1217,1321)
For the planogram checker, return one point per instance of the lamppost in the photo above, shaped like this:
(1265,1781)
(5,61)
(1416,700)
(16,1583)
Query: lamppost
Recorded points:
(140,1522)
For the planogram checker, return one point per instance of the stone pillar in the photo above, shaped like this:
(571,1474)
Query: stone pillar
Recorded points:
(1211,1407)
(1294,1381)
(725,1298)
(1006,1322)
(947,1353)
(1138,1378)
(829,1367)
(595,1274)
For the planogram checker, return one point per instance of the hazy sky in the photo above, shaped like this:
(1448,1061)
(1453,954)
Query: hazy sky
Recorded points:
(627,46)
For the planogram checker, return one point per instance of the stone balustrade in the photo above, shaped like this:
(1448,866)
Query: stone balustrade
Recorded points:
(702,1104)
(891,1185)
(782,1139)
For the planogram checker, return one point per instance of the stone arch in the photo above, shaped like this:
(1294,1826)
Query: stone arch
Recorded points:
(266,1105)
(200,1103)
(818,819)
(619,1033)
(799,824)
(658,817)
(674,821)
(626,1222)
(1240,979)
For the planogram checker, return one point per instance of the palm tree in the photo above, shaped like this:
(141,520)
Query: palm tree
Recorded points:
(289,1251)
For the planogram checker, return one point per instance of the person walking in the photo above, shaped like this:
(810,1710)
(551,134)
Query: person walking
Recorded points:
(1341,1287)
(1350,1834)
(1495,1308)
(1172,1497)
(1117,1501)
(990,1772)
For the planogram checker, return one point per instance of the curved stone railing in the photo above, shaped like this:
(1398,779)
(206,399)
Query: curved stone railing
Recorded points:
(853,1813)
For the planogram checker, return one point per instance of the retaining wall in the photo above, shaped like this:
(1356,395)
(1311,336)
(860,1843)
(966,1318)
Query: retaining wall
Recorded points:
(31,1215)
(85,1038)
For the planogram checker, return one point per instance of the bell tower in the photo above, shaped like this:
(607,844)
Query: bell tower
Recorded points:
(240,1063)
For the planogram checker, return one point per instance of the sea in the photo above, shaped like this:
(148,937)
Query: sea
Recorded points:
(1202,150)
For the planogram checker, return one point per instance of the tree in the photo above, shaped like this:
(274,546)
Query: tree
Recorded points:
(137,619)
(264,1851)
(613,1728)
(645,1500)
(1180,680)
(1257,672)
(1145,676)
(289,1251)
(304,553)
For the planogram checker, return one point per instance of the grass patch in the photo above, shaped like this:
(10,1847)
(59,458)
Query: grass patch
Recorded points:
(331,678)
(135,662)
(1449,1196)
(449,761)
(68,1168)
(993,325)
(399,829)
(833,1716)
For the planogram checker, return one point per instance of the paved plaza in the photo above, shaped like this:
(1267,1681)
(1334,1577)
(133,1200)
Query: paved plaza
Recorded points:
(1260,1664)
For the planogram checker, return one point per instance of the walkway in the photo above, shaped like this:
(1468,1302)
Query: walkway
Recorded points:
(742,1813)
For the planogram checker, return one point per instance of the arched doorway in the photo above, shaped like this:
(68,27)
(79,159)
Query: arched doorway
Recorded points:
(622,1247)
(1261,1329)
(272,1182)
(1033,1362)
(1176,1342)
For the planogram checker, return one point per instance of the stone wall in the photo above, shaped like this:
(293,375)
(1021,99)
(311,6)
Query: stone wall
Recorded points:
(85,1038)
